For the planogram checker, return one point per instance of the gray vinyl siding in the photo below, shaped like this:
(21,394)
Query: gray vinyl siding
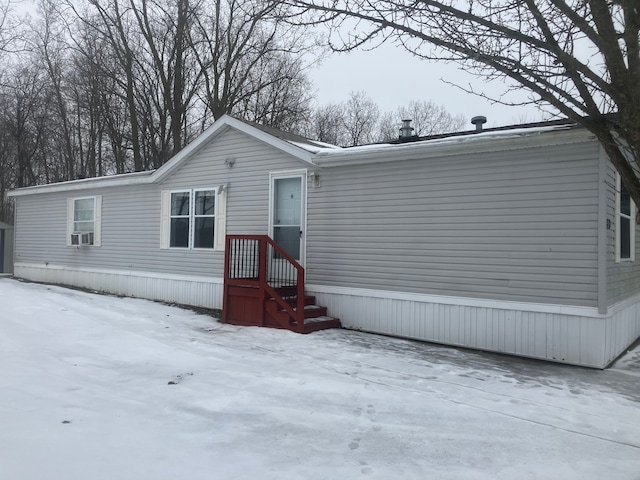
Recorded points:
(518,225)
(130,230)
(131,214)
(248,179)
(623,278)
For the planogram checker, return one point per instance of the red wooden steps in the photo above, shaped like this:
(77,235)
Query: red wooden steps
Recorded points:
(315,316)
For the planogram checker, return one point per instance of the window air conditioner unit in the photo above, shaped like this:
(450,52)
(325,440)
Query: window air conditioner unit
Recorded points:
(80,239)
(86,239)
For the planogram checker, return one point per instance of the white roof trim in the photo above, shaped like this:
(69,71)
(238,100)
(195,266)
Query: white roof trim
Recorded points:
(148,177)
(86,183)
(330,156)
(458,145)
(219,126)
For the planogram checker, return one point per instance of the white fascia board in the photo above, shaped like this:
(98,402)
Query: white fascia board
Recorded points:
(147,177)
(471,144)
(287,147)
(135,178)
(219,126)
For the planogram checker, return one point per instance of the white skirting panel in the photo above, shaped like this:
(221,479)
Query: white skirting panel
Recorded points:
(573,335)
(623,324)
(186,290)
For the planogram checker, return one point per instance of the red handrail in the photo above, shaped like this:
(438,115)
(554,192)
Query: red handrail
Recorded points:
(242,263)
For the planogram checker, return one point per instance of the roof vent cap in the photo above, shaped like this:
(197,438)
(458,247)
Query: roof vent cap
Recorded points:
(478,121)
(406,131)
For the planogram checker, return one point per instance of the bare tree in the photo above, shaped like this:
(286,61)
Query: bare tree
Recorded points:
(325,124)
(580,57)
(179,64)
(427,118)
(360,119)
(50,47)
(430,118)
(10,27)
(282,97)
(252,62)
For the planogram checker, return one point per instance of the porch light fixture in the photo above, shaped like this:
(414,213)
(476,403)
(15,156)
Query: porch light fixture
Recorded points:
(315,179)
(229,162)
(223,188)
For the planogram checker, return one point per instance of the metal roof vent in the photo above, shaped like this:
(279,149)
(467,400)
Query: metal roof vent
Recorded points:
(406,131)
(478,121)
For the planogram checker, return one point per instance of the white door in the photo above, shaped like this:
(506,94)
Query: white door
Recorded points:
(288,202)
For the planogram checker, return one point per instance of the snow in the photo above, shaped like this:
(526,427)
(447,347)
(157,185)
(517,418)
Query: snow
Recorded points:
(315,146)
(326,149)
(101,387)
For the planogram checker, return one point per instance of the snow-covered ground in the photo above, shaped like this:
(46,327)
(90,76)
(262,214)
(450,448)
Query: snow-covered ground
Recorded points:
(98,387)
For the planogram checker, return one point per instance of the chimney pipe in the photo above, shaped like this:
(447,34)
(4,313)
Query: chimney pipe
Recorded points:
(406,131)
(478,121)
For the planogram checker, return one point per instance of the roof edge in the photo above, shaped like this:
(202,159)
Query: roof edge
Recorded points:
(448,146)
(156,176)
(219,126)
(86,183)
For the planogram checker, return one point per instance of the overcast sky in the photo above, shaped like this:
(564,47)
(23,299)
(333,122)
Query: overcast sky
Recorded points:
(392,77)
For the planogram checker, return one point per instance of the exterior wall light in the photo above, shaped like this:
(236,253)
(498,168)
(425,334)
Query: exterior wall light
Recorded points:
(315,179)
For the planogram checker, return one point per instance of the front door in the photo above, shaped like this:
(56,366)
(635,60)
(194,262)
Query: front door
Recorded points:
(288,202)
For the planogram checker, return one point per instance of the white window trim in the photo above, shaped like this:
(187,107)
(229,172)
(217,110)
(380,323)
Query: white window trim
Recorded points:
(193,216)
(219,230)
(632,221)
(190,217)
(97,219)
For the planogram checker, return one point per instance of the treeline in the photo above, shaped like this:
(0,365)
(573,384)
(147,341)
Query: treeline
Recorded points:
(98,87)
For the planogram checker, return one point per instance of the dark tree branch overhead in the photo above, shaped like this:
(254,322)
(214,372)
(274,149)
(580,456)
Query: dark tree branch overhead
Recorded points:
(581,57)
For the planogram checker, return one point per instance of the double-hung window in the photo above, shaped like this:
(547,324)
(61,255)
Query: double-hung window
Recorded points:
(625,223)
(180,218)
(193,218)
(83,220)
(204,218)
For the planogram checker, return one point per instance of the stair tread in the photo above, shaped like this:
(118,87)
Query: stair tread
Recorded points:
(323,318)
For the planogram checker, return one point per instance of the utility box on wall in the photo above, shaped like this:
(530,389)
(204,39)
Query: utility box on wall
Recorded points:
(6,248)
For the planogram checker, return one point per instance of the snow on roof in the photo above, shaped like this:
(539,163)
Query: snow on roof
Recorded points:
(446,140)
(316,147)
(106,181)
(324,154)
(454,144)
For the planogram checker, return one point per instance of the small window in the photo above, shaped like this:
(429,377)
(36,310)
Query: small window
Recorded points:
(83,221)
(204,218)
(192,219)
(625,223)
(180,216)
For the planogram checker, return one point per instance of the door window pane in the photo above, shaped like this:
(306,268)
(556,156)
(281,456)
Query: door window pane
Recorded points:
(288,201)
(289,239)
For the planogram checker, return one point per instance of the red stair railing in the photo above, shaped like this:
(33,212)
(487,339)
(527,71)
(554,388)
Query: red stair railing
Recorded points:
(258,263)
